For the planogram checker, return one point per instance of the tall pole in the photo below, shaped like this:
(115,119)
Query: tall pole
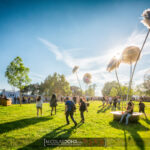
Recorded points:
(78,81)
(119,87)
(129,87)
(138,57)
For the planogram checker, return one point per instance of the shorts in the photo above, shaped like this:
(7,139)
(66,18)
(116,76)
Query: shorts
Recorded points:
(142,110)
(39,107)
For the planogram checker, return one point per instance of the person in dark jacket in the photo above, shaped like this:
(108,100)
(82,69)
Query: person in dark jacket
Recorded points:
(142,108)
(115,103)
(69,110)
(74,99)
(83,108)
(53,104)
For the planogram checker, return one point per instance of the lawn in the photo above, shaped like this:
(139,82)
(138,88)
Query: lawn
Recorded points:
(21,129)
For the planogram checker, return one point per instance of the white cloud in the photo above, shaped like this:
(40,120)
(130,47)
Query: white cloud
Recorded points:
(100,76)
(35,77)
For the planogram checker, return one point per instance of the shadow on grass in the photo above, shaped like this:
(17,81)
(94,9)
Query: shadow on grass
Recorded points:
(146,120)
(9,126)
(104,109)
(58,133)
(133,130)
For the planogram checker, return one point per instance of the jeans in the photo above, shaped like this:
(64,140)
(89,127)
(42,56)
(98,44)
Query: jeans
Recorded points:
(70,113)
(82,115)
(127,117)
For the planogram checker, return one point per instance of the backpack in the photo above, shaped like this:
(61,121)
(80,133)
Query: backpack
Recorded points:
(73,107)
(142,105)
(83,106)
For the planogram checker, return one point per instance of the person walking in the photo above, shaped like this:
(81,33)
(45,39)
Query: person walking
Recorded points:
(115,103)
(103,101)
(39,105)
(110,101)
(82,108)
(127,113)
(53,104)
(142,108)
(69,110)
(74,99)
(119,100)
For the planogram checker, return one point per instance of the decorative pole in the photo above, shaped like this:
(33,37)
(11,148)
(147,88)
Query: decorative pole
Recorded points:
(114,64)
(75,69)
(129,56)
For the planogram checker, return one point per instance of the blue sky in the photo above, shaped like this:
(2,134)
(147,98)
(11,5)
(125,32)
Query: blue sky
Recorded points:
(53,36)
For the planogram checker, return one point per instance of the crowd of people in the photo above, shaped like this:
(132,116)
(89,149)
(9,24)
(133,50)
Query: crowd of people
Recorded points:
(71,102)
(70,107)
(106,100)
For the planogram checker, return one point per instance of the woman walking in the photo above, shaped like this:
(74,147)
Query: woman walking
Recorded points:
(53,104)
(39,105)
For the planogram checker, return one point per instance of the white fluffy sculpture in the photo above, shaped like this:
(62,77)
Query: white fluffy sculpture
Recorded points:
(113,64)
(74,71)
(87,78)
(146,18)
(130,54)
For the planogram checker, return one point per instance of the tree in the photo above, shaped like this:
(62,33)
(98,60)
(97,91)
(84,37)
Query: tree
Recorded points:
(112,88)
(17,74)
(91,90)
(108,86)
(146,85)
(76,91)
(57,84)
(113,92)
(33,89)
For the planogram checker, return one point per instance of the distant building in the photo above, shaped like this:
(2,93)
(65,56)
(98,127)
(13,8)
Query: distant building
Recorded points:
(10,94)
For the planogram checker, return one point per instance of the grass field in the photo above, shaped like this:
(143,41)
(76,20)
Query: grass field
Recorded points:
(21,129)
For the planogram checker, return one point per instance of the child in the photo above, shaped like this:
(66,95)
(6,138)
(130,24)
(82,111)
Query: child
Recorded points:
(142,108)
(39,105)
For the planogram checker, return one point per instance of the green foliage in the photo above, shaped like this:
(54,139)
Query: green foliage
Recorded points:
(108,86)
(91,90)
(113,92)
(33,89)
(76,91)
(56,84)
(17,74)
(112,89)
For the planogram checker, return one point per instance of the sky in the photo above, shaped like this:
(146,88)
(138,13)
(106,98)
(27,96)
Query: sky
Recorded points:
(54,36)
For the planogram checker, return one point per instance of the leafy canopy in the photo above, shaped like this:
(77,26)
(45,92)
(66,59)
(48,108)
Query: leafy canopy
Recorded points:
(17,74)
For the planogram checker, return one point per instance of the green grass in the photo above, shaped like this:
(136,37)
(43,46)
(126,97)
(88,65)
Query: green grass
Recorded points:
(21,129)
